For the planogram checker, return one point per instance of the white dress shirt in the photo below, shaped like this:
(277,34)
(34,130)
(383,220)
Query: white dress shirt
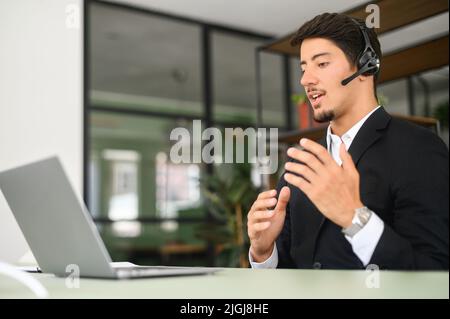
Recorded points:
(366,240)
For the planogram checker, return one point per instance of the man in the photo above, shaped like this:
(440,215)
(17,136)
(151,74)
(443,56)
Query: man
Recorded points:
(373,191)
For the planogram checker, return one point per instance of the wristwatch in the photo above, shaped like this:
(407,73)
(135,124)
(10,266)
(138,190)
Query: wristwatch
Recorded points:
(362,216)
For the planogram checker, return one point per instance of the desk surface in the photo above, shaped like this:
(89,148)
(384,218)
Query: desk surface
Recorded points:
(247,283)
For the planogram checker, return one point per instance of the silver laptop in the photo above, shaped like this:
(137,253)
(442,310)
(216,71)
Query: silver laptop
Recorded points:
(60,230)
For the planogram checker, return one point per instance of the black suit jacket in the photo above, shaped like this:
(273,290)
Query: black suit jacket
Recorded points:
(404,179)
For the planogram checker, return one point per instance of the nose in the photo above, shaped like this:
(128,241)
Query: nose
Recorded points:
(308,79)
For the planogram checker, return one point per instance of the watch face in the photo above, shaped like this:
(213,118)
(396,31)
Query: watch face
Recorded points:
(364,216)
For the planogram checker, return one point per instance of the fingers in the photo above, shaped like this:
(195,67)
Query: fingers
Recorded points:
(267,194)
(302,170)
(283,199)
(258,227)
(259,215)
(261,226)
(259,219)
(306,158)
(298,181)
(265,200)
(257,222)
(318,150)
(262,204)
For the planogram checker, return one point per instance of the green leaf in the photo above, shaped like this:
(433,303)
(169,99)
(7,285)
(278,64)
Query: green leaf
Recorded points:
(298,98)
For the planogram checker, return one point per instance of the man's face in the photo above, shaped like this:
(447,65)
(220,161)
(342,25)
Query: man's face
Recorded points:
(324,66)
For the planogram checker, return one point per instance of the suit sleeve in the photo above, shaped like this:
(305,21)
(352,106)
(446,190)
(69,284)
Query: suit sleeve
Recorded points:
(417,238)
(283,241)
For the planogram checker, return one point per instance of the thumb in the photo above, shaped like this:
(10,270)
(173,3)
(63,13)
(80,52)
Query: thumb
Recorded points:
(283,199)
(347,161)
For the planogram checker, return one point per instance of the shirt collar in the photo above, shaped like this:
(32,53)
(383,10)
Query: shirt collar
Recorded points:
(348,136)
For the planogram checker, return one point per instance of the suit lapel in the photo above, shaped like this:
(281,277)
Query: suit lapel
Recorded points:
(369,133)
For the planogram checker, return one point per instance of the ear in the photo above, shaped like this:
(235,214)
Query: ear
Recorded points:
(363,78)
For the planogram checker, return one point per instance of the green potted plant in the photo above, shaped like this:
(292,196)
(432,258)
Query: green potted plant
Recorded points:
(382,99)
(441,114)
(228,194)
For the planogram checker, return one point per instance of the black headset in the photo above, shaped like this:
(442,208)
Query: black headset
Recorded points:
(368,60)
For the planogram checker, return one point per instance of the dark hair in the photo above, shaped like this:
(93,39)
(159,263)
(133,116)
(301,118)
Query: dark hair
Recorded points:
(343,31)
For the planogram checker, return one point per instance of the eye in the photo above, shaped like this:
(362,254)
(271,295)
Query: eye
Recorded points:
(301,73)
(323,64)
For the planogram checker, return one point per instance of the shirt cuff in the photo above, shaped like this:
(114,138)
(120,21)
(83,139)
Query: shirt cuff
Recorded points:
(269,263)
(366,240)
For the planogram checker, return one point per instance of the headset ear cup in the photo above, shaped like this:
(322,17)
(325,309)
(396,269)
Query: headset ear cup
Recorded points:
(370,68)
(374,66)
(366,56)
(369,64)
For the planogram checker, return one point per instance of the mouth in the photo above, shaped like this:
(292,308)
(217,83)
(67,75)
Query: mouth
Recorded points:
(315,98)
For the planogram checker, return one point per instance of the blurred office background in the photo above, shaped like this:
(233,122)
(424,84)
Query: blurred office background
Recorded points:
(105,95)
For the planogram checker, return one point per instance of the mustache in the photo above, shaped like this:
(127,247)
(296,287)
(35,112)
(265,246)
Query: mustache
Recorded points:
(318,90)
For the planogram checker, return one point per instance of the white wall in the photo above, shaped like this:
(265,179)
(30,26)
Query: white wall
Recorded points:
(40,94)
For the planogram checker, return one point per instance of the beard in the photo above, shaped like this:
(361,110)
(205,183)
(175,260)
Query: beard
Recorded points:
(325,116)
